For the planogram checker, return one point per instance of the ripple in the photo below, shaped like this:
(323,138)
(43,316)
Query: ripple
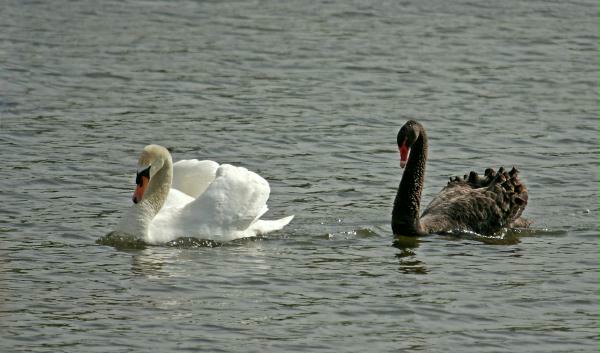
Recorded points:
(311,96)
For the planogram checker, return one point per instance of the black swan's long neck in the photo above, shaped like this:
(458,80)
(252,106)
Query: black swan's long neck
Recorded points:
(405,215)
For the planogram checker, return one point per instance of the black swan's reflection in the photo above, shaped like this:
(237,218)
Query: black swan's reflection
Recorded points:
(407,258)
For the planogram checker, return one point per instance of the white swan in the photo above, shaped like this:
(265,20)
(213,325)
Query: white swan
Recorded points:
(196,198)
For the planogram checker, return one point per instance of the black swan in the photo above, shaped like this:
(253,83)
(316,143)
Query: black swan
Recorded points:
(483,205)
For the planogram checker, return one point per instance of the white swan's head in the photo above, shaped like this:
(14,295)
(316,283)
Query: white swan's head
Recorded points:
(151,161)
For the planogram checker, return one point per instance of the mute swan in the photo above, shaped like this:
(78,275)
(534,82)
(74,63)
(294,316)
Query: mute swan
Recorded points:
(202,200)
(481,204)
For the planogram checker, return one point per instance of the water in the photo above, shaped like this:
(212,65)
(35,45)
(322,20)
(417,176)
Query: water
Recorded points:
(309,95)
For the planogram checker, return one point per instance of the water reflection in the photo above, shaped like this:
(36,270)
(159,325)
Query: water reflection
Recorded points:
(187,257)
(150,263)
(407,258)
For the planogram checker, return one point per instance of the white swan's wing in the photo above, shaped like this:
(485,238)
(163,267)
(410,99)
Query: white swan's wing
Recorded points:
(193,176)
(176,198)
(229,206)
(262,226)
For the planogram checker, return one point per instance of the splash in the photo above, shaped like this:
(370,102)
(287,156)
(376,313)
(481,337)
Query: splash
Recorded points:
(123,241)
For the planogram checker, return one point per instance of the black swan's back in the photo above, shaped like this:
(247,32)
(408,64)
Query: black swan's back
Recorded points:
(483,204)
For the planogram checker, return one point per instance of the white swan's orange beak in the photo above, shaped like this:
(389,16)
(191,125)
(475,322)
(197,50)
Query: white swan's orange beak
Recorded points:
(141,179)
(140,189)
(404,150)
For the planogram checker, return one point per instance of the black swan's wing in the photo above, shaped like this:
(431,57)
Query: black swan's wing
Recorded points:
(481,204)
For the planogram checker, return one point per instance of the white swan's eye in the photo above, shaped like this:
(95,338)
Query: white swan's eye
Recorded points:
(143,173)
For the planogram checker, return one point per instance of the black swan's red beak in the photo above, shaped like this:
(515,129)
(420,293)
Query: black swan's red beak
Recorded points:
(404,150)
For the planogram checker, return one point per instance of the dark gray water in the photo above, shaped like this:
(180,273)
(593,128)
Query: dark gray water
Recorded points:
(310,95)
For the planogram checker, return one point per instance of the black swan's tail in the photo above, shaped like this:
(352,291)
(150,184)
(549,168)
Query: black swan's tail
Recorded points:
(511,193)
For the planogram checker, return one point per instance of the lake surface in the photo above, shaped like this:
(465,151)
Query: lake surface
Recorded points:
(310,95)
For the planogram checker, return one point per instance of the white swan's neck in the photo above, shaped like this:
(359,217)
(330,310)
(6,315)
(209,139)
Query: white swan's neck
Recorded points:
(138,217)
(158,188)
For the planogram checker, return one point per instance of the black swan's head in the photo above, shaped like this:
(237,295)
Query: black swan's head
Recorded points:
(407,136)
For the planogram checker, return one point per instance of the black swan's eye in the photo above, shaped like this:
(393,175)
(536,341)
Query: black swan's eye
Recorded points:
(143,173)
(401,137)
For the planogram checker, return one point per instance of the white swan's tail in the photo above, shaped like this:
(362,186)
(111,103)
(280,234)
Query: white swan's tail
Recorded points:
(262,226)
